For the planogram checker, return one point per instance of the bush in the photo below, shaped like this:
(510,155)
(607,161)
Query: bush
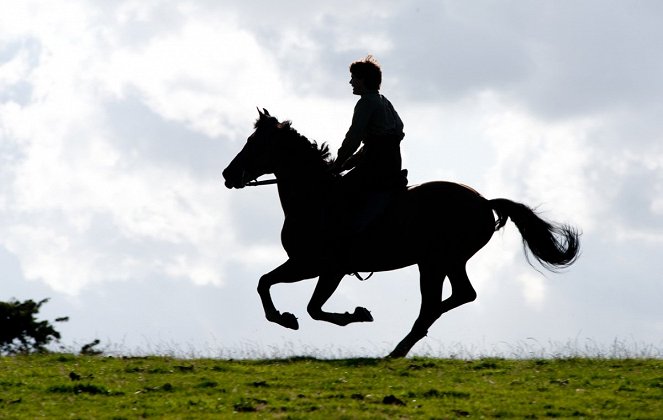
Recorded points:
(21,332)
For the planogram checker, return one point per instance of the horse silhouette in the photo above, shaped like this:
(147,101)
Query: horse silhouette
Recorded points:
(436,225)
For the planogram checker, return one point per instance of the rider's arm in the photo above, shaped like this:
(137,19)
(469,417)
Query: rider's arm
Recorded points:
(356,133)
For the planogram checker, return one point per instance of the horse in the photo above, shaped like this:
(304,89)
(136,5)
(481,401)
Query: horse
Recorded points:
(436,225)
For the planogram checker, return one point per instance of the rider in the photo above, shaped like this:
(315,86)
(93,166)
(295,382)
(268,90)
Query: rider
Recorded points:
(376,124)
(375,169)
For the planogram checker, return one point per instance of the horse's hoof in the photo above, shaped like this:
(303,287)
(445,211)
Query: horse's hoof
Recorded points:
(396,355)
(363,314)
(288,320)
(399,352)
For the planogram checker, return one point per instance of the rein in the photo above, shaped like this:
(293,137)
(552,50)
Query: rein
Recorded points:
(258,183)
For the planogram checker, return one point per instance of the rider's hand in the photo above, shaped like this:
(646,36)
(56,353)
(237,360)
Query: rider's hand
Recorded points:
(336,168)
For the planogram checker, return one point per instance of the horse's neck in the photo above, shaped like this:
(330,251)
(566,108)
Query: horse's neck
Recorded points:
(302,188)
(303,179)
(299,195)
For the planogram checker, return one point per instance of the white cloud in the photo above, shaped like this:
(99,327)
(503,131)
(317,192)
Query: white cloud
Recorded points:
(13,71)
(534,289)
(210,75)
(543,163)
(72,179)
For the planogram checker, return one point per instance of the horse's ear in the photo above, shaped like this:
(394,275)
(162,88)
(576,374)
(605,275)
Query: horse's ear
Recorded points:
(266,112)
(260,112)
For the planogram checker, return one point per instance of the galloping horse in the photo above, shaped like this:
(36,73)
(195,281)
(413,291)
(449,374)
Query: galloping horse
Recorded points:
(436,225)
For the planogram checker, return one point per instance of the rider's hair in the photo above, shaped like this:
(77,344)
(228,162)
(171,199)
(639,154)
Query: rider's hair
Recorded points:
(367,69)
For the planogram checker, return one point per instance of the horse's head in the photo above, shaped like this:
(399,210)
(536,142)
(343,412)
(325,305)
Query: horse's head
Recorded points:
(257,156)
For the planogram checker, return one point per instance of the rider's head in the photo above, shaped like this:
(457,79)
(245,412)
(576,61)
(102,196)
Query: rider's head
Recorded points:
(368,70)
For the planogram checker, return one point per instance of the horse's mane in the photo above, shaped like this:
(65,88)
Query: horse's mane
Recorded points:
(296,141)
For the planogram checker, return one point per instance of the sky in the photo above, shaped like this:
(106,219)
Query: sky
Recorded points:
(117,118)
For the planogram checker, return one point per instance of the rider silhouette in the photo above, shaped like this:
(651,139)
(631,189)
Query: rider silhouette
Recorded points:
(376,124)
(375,168)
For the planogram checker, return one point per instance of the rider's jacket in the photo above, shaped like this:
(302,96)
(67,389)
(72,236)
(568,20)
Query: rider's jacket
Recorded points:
(377,125)
(374,116)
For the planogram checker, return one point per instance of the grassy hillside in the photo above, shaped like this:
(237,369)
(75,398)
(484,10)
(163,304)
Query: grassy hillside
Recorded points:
(65,386)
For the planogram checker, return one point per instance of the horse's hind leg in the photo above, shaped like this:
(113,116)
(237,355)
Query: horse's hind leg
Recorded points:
(327,284)
(431,278)
(462,291)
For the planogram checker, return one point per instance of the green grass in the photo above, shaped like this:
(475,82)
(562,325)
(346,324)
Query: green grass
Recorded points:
(66,386)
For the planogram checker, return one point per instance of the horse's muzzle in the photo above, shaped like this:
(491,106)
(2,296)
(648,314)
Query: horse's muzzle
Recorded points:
(234,184)
(235,178)
(227,176)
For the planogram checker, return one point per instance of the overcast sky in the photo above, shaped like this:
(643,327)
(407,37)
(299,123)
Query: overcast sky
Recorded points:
(117,118)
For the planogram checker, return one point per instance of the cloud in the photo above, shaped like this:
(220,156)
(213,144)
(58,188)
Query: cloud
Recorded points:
(559,60)
(543,163)
(102,185)
(208,75)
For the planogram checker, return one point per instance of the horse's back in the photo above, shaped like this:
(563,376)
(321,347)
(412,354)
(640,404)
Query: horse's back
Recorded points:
(450,190)
(433,220)
(447,199)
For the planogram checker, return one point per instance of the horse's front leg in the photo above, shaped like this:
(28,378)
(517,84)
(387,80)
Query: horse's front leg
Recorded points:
(289,272)
(327,284)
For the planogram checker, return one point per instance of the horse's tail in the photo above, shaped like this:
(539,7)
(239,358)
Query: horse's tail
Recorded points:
(555,246)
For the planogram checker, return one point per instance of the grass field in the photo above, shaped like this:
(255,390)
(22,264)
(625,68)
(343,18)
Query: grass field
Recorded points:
(66,386)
